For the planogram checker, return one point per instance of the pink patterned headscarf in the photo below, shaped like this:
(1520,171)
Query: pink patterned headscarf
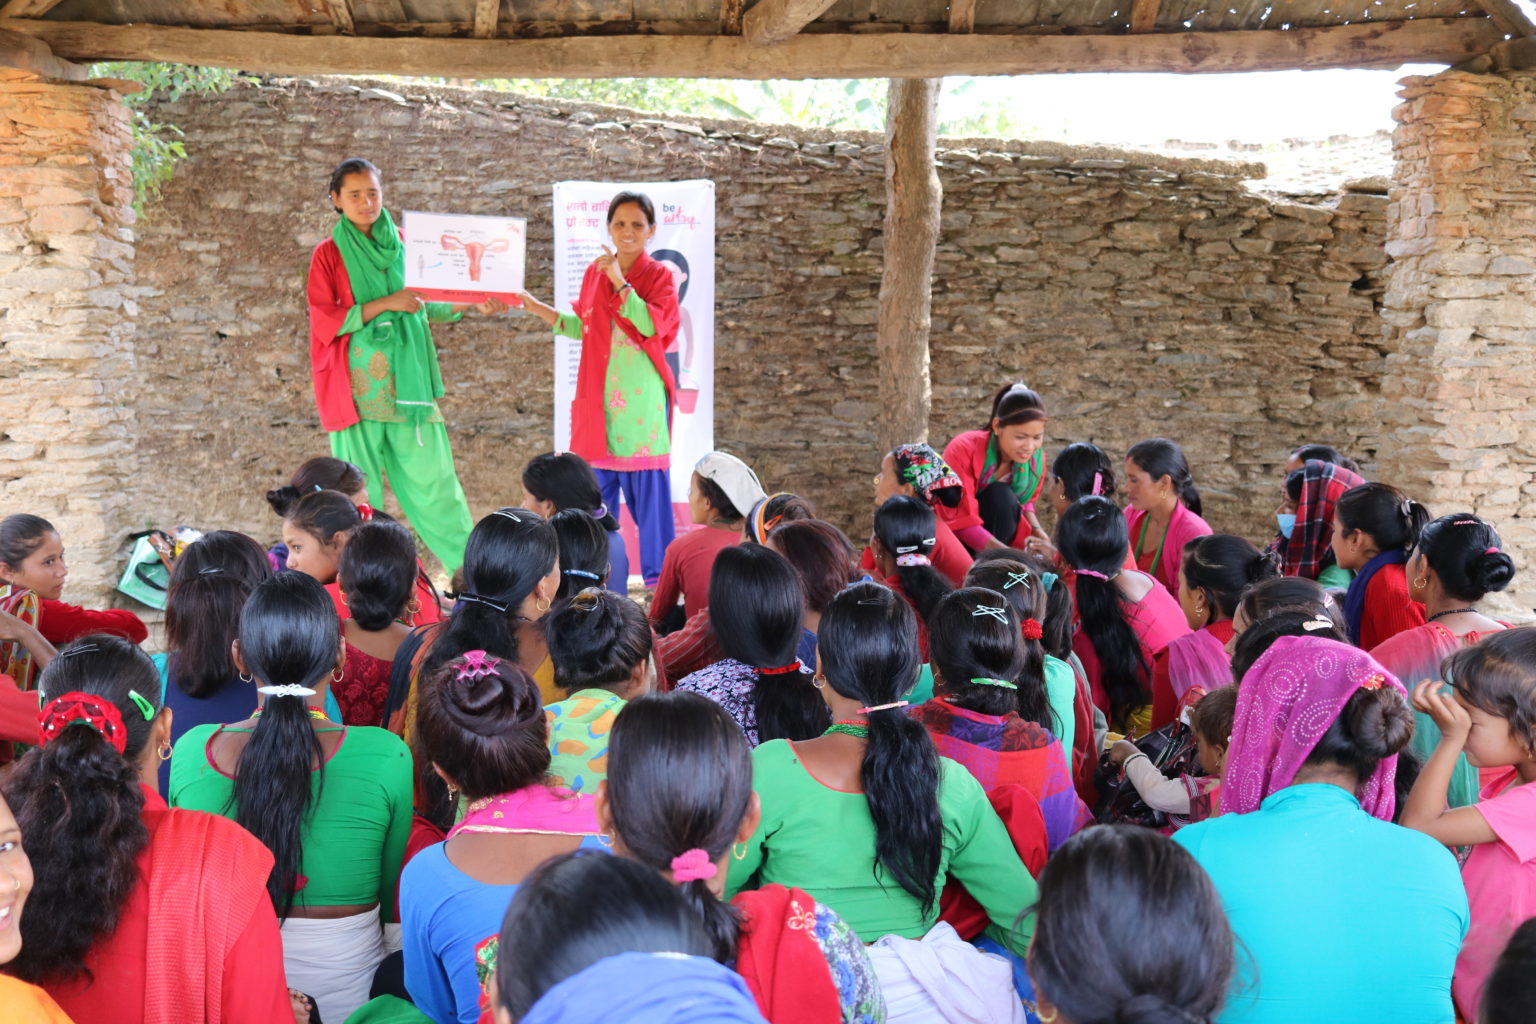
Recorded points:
(1286,702)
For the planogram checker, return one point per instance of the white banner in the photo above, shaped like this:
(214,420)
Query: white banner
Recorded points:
(457,257)
(684,241)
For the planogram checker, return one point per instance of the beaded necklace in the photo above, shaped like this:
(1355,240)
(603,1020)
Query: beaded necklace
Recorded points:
(318,714)
(856,729)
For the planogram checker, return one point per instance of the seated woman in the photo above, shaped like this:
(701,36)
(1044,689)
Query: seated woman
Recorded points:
(679,797)
(1456,563)
(756,607)
(121,879)
(1079,469)
(480,723)
(32,574)
(1308,498)
(722,491)
(990,711)
(1262,600)
(332,802)
(1215,571)
(1309,785)
(1126,617)
(583,552)
(590,938)
(561,481)
(601,646)
(377,579)
(24,1003)
(1375,529)
(322,473)
(823,557)
(1142,912)
(868,818)
(902,542)
(917,471)
(1163,508)
(1001,469)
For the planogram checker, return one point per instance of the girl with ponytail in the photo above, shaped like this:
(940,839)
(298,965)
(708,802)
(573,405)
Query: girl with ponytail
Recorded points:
(869,818)
(756,607)
(122,880)
(990,711)
(1375,529)
(1163,508)
(1001,468)
(1213,574)
(481,728)
(1078,469)
(678,799)
(1458,561)
(903,543)
(1125,616)
(332,802)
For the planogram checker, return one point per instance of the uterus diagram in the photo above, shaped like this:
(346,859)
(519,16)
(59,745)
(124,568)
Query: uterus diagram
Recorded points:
(475,251)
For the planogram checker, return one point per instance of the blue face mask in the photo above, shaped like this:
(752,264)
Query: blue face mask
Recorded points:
(1287,523)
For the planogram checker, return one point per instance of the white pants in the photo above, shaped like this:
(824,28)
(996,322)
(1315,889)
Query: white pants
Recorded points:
(333,960)
(944,978)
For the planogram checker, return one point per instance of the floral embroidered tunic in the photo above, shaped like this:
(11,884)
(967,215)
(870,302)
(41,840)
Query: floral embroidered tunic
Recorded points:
(634,395)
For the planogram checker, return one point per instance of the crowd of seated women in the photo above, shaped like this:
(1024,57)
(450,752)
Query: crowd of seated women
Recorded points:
(1124,771)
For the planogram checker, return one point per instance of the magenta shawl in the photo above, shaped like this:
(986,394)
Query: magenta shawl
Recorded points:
(550,810)
(1198,659)
(1286,702)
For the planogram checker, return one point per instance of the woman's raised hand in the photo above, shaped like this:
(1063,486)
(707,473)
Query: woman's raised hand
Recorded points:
(608,263)
(403,301)
(491,307)
(1446,711)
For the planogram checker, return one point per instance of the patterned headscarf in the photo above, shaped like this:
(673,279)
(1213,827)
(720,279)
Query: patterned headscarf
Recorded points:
(1290,697)
(924,469)
(1308,551)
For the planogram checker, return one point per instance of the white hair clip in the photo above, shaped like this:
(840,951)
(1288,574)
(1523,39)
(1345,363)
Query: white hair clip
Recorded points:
(1015,579)
(286,690)
(1000,614)
(1316,624)
(507,513)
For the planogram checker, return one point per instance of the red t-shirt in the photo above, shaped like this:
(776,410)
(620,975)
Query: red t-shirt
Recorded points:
(62,623)
(1388,609)
(685,570)
(950,557)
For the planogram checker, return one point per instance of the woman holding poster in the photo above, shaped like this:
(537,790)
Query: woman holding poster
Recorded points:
(621,418)
(375,367)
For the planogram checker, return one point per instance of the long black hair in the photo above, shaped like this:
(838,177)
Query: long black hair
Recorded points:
(868,648)
(508,553)
(377,573)
(1466,553)
(1139,908)
(211,579)
(596,639)
(567,480)
(680,779)
(581,907)
(78,803)
(1159,457)
(583,551)
(1022,585)
(1080,466)
(289,636)
(967,643)
(1092,538)
(907,526)
(1222,567)
(1384,513)
(321,473)
(756,609)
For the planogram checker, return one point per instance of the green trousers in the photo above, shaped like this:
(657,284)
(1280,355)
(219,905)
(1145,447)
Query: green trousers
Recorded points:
(419,465)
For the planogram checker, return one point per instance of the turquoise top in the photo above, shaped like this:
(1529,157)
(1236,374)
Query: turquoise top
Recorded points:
(1340,917)
(1061,692)
(1334,578)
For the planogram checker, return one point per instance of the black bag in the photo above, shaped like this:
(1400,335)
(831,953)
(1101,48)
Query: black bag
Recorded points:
(1172,751)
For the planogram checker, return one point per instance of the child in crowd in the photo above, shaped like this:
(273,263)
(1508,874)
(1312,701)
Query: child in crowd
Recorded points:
(722,492)
(1187,798)
(315,531)
(376,578)
(1491,715)
(1079,469)
(322,473)
(1375,528)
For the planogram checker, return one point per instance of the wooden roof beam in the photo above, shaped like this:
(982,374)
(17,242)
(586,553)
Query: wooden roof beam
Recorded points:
(962,15)
(341,15)
(772,21)
(1510,16)
(1144,15)
(814,55)
(27,8)
(486,14)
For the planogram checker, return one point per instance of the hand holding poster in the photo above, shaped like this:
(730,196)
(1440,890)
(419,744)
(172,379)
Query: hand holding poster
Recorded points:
(451,257)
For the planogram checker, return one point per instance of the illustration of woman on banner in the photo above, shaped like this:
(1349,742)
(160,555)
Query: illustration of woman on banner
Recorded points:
(626,318)
(376,375)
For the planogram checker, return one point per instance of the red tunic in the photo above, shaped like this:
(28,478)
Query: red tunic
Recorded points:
(62,623)
(1388,608)
(598,308)
(967,456)
(330,299)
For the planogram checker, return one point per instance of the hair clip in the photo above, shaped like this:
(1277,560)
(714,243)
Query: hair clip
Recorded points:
(1491,551)
(693,866)
(1031,629)
(500,606)
(1000,614)
(883,707)
(142,703)
(908,560)
(601,512)
(86,708)
(1313,625)
(902,549)
(1374,681)
(1467,522)
(1095,575)
(1048,579)
(989,681)
(928,542)
(1098,481)
(507,513)
(286,690)
(74,649)
(319,488)
(1406,508)
(1015,579)
(475,665)
(210,570)
(582,573)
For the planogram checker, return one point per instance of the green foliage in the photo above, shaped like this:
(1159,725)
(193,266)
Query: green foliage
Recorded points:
(157,147)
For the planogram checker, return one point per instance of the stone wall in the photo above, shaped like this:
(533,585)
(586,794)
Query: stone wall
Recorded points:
(68,376)
(1142,295)
(1461,308)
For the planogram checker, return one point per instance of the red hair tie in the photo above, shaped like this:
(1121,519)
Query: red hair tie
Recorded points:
(1031,629)
(87,709)
(365,510)
(783,670)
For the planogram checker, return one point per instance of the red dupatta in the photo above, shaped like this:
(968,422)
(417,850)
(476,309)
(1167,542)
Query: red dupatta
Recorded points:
(781,961)
(598,307)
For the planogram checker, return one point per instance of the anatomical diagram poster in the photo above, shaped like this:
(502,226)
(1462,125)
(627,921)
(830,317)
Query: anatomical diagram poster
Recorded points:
(455,257)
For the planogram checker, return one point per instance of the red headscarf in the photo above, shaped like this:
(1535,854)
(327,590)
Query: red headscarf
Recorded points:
(1307,550)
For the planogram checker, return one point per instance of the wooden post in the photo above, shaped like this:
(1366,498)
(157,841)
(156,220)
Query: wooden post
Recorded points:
(913,198)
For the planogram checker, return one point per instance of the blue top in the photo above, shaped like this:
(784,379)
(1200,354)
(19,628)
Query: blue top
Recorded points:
(1340,917)
(806,650)
(444,915)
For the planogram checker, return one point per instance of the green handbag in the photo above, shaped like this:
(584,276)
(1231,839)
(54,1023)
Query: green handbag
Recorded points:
(147,577)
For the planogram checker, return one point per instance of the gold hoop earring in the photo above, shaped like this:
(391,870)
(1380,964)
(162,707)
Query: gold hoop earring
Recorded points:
(818,681)
(1043,1019)
(164,752)
(1421,583)
(246,677)
(605,840)
(414,608)
(542,605)
(739,851)
(337,676)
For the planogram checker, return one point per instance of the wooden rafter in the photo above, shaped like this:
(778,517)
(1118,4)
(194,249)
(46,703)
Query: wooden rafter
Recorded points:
(962,15)
(814,55)
(27,8)
(1144,15)
(341,16)
(486,13)
(773,21)
(730,16)
(1510,16)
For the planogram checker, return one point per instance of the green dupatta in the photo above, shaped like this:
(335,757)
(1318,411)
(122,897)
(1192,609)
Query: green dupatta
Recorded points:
(1026,478)
(376,268)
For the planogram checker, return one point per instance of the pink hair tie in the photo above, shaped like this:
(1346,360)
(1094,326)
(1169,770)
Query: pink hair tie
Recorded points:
(693,866)
(1098,481)
(883,707)
(476,665)
(1095,575)
(1491,551)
